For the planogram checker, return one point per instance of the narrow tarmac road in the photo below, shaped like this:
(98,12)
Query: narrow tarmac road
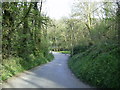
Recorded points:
(55,74)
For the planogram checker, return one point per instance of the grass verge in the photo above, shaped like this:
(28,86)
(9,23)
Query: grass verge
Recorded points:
(64,52)
(98,66)
(16,65)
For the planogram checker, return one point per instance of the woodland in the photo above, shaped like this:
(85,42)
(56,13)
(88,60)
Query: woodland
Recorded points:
(91,35)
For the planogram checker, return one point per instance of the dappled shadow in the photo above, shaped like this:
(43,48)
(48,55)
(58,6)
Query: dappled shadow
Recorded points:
(53,75)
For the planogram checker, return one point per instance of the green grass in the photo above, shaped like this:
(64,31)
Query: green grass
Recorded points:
(98,66)
(64,52)
(16,65)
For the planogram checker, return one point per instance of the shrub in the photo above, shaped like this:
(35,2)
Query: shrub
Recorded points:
(99,67)
(79,49)
(16,65)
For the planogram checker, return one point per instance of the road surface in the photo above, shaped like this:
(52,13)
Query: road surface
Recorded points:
(55,74)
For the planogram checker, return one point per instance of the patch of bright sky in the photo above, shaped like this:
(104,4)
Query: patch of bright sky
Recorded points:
(57,9)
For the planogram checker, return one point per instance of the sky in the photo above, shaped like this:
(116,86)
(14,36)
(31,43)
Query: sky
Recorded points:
(57,9)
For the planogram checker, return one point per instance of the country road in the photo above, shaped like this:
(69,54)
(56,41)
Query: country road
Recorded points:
(55,74)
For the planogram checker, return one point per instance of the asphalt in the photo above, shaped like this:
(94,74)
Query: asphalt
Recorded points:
(55,74)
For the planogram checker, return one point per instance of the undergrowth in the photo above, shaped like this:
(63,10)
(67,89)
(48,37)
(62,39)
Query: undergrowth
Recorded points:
(16,65)
(98,66)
